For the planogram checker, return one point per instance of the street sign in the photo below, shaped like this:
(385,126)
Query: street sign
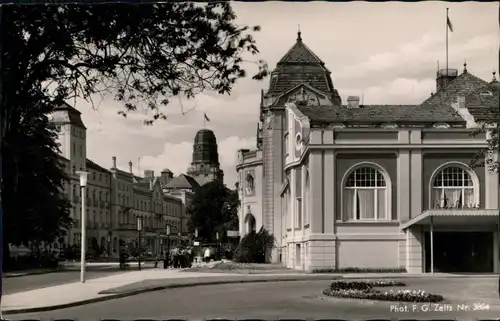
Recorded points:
(196,243)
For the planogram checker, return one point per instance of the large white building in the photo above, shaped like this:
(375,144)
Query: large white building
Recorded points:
(371,186)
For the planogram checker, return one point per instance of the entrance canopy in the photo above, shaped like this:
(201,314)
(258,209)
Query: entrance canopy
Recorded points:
(454,217)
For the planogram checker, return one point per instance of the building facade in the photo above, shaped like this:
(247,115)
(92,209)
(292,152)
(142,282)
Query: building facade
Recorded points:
(372,186)
(115,198)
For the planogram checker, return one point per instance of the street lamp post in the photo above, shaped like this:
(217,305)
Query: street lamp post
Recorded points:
(109,244)
(83,185)
(218,244)
(139,229)
(167,254)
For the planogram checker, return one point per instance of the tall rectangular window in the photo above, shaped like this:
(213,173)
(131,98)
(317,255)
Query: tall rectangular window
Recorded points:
(298,213)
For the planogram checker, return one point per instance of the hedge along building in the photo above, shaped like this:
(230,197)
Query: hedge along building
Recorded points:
(371,186)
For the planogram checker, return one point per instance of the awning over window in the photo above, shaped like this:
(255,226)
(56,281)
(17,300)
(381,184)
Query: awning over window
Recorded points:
(454,217)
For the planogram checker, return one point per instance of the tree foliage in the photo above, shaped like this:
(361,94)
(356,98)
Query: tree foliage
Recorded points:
(491,129)
(35,208)
(142,54)
(214,209)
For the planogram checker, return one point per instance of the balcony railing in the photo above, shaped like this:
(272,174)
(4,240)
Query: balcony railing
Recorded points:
(456,206)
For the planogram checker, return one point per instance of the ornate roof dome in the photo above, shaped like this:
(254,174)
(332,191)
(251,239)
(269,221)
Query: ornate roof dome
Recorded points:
(205,136)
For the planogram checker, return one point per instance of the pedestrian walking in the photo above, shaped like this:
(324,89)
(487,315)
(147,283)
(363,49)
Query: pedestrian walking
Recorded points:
(165,260)
(158,258)
(121,259)
(207,255)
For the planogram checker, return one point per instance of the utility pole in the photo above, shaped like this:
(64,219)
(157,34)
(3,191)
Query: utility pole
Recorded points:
(2,131)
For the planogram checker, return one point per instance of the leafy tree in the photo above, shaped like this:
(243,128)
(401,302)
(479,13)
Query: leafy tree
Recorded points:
(214,209)
(230,211)
(133,248)
(491,128)
(36,210)
(142,54)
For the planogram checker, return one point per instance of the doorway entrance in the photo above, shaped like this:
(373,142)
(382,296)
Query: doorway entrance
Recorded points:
(460,252)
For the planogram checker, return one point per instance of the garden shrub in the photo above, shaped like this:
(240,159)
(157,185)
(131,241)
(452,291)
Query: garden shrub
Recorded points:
(365,290)
(254,247)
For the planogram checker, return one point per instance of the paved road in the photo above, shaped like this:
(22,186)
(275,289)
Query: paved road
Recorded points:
(258,300)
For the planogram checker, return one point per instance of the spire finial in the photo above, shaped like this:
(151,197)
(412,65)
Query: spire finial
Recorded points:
(299,34)
(465,65)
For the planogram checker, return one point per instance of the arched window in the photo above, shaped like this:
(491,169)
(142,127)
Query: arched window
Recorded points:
(250,223)
(307,200)
(453,187)
(366,196)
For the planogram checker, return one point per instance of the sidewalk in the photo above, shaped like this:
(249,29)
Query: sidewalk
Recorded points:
(136,282)
(77,293)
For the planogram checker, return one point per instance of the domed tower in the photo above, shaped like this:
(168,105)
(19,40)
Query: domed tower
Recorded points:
(205,166)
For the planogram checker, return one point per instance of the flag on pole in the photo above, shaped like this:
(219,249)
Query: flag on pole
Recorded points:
(206,117)
(448,22)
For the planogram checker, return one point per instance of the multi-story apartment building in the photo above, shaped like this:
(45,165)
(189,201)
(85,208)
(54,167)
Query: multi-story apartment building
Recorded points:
(117,199)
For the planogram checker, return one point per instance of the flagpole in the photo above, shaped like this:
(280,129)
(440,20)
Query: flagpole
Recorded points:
(447,19)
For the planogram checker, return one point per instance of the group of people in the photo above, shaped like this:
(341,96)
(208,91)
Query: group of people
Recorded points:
(178,257)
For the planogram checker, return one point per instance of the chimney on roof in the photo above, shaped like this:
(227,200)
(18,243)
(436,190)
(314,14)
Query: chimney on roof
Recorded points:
(444,77)
(130,167)
(353,102)
(166,176)
(114,161)
(149,173)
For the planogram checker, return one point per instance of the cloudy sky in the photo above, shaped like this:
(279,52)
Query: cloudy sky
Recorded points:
(387,52)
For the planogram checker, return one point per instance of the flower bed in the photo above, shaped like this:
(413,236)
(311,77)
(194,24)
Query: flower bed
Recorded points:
(362,285)
(365,290)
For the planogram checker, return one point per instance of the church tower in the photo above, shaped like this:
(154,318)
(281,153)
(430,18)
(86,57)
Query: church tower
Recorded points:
(205,166)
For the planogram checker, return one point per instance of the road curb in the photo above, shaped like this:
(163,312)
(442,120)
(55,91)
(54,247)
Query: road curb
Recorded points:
(308,277)
(21,274)
(158,288)
(62,269)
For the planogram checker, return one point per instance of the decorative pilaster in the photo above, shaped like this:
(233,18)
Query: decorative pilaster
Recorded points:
(403,186)
(416,183)
(329,191)
(316,184)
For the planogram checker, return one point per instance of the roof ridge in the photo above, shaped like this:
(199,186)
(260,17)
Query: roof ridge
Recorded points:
(296,45)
